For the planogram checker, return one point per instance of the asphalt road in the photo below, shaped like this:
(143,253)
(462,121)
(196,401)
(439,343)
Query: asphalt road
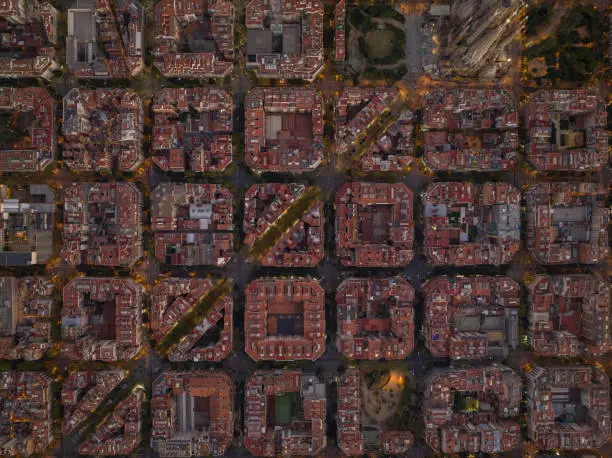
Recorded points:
(330,272)
(412,28)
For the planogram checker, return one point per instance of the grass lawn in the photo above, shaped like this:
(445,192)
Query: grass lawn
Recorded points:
(282,409)
(379,43)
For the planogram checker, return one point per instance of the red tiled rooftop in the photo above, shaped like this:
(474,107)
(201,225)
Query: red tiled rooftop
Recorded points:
(172,299)
(284,319)
(121,432)
(567,223)
(263,436)
(472,152)
(175,20)
(569,315)
(303,244)
(29,39)
(283,129)
(302,21)
(453,302)
(448,430)
(549,388)
(374,225)
(32,303)
(566,130)
(103,129)
(370,103)
(340,31)
(27,400)
(119,29)
(375,318)
(37,150)
(192,223)
(470,223)
(201,143)
(178,395)
(102,224)
(467,108)
(264,204)
(102,319)
(83,392)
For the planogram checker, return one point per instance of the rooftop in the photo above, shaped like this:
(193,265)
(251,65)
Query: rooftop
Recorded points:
(264,204)
(285,413)
(284,319)
(193,129)
(194,38)
(471,317)
(29,37)
(193,413)
(105,39)
(211,339)
(27,117)
(375,318)
(470,223)
(285,38)
(472,410)
(356,110)
(83,392)
(26,236)
(480,152)
(569,315)
(192,224)
(567,223)
(340,31)
(301,245)
(566,130)
(102,224)
(568,407)
(26,413)
(472,111)
(284,129)
(102,319)
(121,432)
(103,130)
(26,307)
(374,225)
(466,108)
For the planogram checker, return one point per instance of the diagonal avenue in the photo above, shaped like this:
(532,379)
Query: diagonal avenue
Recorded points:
(283,223)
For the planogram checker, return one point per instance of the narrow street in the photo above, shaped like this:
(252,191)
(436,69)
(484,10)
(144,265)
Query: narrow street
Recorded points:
(329,178)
